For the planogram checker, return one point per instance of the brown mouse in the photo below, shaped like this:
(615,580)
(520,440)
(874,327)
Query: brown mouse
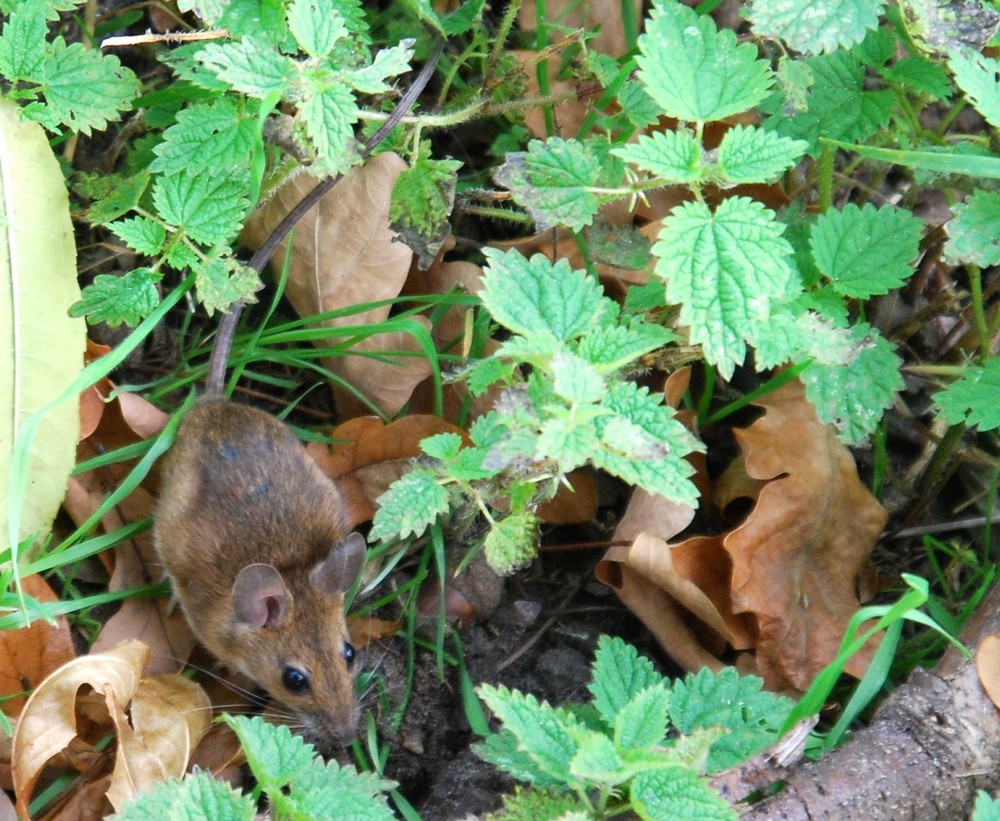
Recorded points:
(252,534)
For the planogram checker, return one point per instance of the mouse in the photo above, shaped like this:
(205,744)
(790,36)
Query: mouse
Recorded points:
(252,534)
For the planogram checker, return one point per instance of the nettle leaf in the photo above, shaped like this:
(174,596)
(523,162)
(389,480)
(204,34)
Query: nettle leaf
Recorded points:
(975,398)
(317,25)
(442,446)
(677,792)
(921,75)
(613,347)
(544,732)
(696,72)
(328,790)
(752,716)
(273,753)
(198,796)
(575,379)
(552,180)
(814,26)
(388,62)
(223,281)
(597,760)
(512,542)
(22,42)
(409,506)
(83,88)
(974,231)
(251,65)
(112,194)
(206,135)
(536,295)
(208,10)
(789,336)
(642,722)
(329,116)
(672,156)
(141,234)
(619,674)
(422,199)
(503,751)
(723,269)
(976,75)
(853,397)
(117,300)
(569,445)
(209,207)
(639,108)
(750,154)
(866,251)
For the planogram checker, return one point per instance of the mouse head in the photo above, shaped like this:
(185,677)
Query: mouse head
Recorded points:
(295,642)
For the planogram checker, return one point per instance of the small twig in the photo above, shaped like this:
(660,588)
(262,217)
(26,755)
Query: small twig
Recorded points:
(946,527)
(166,37)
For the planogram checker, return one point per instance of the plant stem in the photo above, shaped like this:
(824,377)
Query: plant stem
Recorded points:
(979,315)
(825,181)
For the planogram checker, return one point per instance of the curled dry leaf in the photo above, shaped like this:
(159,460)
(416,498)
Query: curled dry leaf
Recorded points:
(988,666)
(28,655)
(344,253)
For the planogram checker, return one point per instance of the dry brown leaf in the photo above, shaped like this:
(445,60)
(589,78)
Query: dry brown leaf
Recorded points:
(797,557)
(28,655)
(988,667)
(344,253)
(603,14)
(575,502)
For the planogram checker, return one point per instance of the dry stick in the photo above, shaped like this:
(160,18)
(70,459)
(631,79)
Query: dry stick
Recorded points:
(227,326)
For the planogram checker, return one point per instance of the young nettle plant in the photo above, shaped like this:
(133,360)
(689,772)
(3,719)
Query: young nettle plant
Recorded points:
(643,744)
(574,407)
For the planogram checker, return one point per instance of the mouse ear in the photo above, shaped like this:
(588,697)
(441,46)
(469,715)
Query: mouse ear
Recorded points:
(338,571)
(260,598)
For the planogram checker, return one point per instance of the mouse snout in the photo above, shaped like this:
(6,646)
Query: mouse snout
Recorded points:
(330,733)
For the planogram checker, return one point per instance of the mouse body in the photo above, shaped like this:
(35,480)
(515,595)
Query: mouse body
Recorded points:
(252,534)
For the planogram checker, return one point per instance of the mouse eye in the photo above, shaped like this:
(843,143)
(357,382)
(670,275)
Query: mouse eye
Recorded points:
(349,654)
(295,680)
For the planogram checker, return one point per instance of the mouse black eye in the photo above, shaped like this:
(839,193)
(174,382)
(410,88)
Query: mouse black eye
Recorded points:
(349,654)
(295,680)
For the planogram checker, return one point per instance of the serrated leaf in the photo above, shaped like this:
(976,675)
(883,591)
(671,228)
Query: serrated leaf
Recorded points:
(512,542)
(127,299)
(613,347)
(422,199)
(85,89)
(535,295)
(672,156)
(639,108)
(568,445)
(208,10)
(442,445)
(223,281)
(206,136)
(642,722)
(317,25)
(329,116)
(41,348)
(619,673)
(854,396)
(974,230)
(208,207)
(545,733)
(388,62)
(866,251)
(141,234)
(597,760)
(677,792)
(22,42)
(695,72)
(975,398)
(409,506)
(552,180)
(814,26)
(737,703)
(273,753)
(575,379)
(486,372)
(921,75)
(463,19)
(199,797)
(250,65)
(327,790)
(114,195)
(750,154)
(723,269)
(504,752)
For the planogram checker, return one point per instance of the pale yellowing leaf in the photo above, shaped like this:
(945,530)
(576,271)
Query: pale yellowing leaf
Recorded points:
(41,348)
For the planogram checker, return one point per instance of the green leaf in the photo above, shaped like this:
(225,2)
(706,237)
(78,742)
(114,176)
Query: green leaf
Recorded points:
(737,703)
(672,156)
(85,89)
(504,752)
(388,62)
(619,674)
(614,347)
(597,761)
(208,207)
(538,296)
(814,26)
(552,180)
(113,194)
(749,154)
(676,792)
(975,398)
(463,19)
(22,42)
(329,117)
(545,733)
(569,445)
(328,790)
(422,199)
(410,505)
(853,397)
(442,446)
(206,136)
(317,25)
(127,299)
(251,65)
(223,281)
(273,753)
(198,797)
(723,269)
(974,231)
(866,251)
(642,722)
(576,380)
(920,75)
(986,808)
(140,234)
(512,542)
(695,72)
(486,372)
